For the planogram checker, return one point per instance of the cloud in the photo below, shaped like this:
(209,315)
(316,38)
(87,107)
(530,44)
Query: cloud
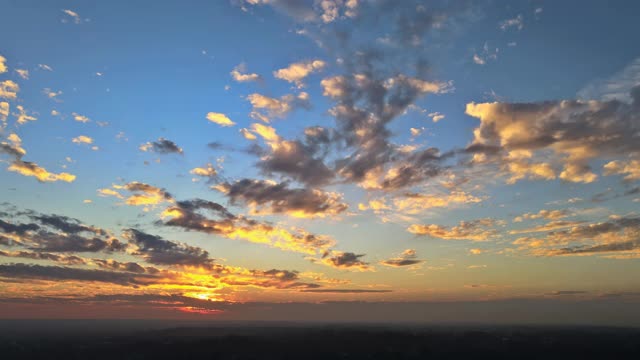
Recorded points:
(73,16)
(142,194)
(415,203)
(23,73)
(4,114)
(543,214)
(13,147)
(616,87)
(80,118)
(159,251)
(298,159)
(3,64)
(630,169)
(567,132)
(55,233)
(269,197)
(208,172)
(213,218)
(52,94)
(82,139)
(615,238)
(22,117)
(298,10)
(364,106)
(551,225)
(27,168)
(220,119)
(407,258)
(346,291)
(239,74)
(58,273)
(162,146)
(9,90)
(45,67)
(62,259)
(516,22)
(343,260)
(266,108)
(475,230)
(296,72)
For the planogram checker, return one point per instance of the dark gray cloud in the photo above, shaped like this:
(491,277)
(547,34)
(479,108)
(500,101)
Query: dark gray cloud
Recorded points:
(271,197)
(56,233)
(157,250)
(66,224)
(343,260)
(133,267)
(162,146)
(196,214)
(17,228)
(64,259)
(58,273)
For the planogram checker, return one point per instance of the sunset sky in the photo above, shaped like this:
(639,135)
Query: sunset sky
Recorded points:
(173,159)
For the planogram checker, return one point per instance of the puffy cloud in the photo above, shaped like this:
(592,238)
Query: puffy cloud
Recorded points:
(13,147)
(209,171)
(162,146)
(476,251)
(80,118)
(9,90)
(630,169)
(568,132)
(296,72)
(142,194)
(159,251)
(365,105)
(27,168)
(82,139)
(220,119)
(407,258)
(3,64)
(269,197)
(300,160)
(45,67)
(213,218)
(344,261)
(265,108)
(239,74)
(475,230)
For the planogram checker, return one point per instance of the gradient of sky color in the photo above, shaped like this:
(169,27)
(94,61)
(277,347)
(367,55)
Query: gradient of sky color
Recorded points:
(184,158)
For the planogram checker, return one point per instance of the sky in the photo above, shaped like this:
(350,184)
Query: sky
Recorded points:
(287,159)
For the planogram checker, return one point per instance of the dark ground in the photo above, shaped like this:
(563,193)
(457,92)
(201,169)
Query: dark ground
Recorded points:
(155,340)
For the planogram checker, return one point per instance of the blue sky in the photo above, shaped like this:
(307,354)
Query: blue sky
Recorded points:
(365,150)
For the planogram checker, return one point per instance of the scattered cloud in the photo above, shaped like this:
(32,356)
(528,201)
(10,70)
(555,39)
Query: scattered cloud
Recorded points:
(220,119)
